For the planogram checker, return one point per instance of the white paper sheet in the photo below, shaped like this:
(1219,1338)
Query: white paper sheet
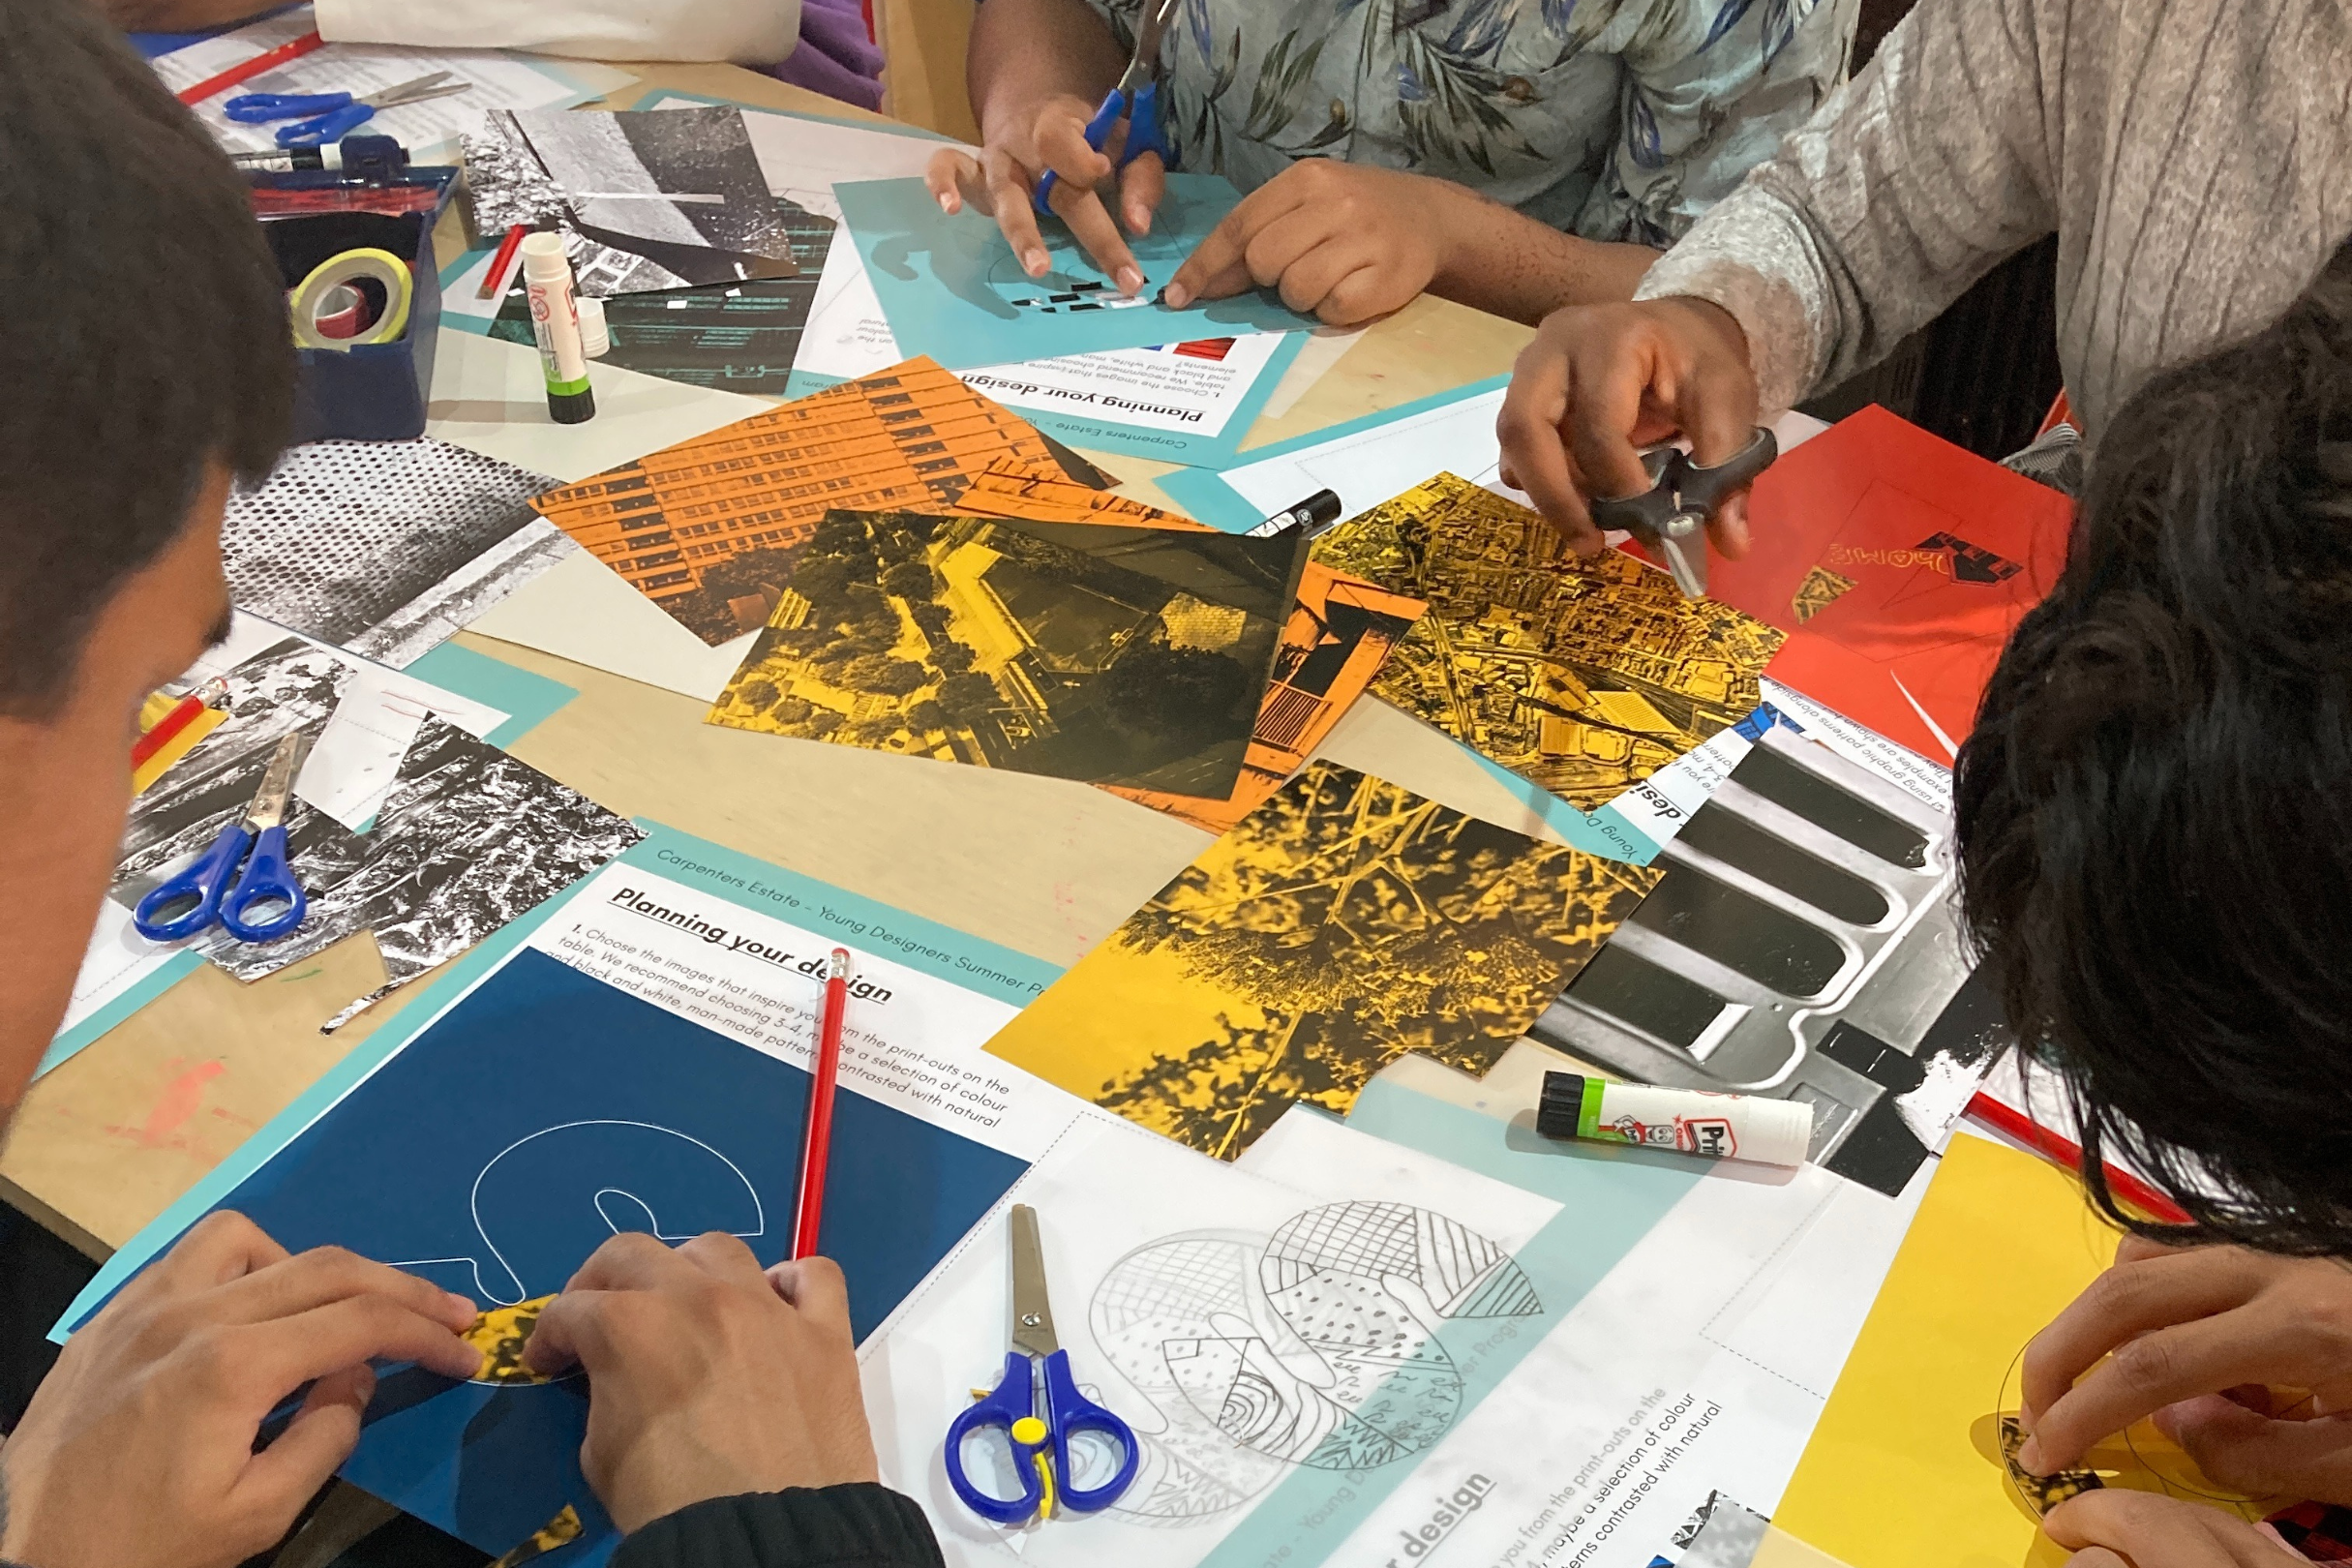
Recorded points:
(427,129)
(1699,1364)
(909,1041)
(1164,1266)
(582,610)
(356,758)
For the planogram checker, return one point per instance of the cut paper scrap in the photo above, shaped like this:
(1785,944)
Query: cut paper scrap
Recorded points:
(1906,1464)
(1897,563)
(500,1334)
(1583,676)
(1344,923)
(952,282)
(562,1531)
(384,548)
(1135,656)
(709,528)
(1339,632)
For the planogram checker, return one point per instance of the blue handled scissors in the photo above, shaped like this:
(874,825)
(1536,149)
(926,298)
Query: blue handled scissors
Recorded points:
(1040,1447)
(325,117)
(1134,99)
(267,879)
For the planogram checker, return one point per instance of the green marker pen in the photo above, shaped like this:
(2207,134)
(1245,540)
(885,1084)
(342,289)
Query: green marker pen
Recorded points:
(555,320)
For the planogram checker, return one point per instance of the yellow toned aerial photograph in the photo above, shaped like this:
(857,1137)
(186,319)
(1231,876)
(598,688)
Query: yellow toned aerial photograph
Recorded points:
(1112,656)
(1344,922)
(1585,676)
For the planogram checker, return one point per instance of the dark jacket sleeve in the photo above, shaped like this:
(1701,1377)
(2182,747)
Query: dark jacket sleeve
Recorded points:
(862,1525)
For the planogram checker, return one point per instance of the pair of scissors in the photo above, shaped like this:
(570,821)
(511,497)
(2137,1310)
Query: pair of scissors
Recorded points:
(267,879)
(325,117)
(1134,99)
(1041,1445)
(1667,517)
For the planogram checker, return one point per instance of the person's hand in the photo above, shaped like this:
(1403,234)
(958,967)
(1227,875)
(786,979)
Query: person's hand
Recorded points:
(706,1377)
(2199,1339)
(1601,382)
(138,1449)
(1002,181)
(2112,1529)
(1343,242)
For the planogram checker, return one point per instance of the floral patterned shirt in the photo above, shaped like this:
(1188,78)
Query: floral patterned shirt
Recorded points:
(1615,119)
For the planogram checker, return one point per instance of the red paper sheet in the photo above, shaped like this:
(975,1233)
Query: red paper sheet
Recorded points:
(1898,564)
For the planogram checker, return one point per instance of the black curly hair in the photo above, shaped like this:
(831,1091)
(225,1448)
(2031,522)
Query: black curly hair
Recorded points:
(2155,808)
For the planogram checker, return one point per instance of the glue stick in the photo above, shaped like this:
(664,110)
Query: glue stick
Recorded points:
(1690,1121)
(554,319)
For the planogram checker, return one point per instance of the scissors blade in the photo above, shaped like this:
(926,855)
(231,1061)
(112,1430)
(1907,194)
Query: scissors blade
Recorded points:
(1143,65)
(407,91)
(1032,1312)
(268,809)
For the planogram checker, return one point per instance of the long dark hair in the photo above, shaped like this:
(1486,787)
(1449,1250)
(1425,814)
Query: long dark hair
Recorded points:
(2155,808)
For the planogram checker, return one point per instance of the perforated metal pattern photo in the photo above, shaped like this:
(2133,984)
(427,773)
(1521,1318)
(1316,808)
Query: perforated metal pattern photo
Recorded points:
(385,548)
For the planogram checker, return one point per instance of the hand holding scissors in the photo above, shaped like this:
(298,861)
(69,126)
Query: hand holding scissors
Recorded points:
(1669,517)
(1041,1446)
(1135,99)
(204,888)
(325,117)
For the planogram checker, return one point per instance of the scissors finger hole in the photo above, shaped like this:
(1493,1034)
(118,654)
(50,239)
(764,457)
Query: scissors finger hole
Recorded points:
(1094,1459)
(992,1467)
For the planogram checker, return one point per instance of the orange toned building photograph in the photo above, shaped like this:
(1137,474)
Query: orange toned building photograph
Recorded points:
(709,528)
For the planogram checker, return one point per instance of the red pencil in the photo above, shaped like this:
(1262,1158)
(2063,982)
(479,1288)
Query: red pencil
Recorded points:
(493,281)
(264,61)
(180,716)
(2060,1149)
(817,1141)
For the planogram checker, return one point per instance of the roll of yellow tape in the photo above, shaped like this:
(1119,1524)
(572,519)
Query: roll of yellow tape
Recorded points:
(337,271)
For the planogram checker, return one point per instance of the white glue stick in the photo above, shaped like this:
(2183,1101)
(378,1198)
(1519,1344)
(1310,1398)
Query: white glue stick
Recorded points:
(554,319)
(1691,1121)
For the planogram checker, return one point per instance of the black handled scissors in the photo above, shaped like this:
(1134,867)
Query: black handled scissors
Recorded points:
(1669,517)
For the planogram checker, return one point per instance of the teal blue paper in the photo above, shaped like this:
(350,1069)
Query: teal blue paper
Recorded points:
(174,970)
(968,961)
(1206,498)
(525,698)
(1201,451)
(950,287)
(1610,1198)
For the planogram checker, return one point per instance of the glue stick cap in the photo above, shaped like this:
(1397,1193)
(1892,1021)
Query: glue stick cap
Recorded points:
(596,337)
(543,258)
(1555,1115)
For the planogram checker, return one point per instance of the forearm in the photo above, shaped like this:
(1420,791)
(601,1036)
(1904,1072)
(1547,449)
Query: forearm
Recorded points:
(1024,52)
(1504,262)
(1908,185)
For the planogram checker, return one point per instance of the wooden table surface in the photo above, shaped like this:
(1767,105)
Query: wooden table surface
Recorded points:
(100,1145)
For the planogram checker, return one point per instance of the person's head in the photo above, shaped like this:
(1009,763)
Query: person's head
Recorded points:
(2155,808)
(144,361)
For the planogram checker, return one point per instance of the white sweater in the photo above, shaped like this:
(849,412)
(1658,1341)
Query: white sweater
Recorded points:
(747,32)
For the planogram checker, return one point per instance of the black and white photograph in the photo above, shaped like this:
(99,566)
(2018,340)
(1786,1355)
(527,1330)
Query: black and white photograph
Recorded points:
(652,200)
(468,840)
(385,548)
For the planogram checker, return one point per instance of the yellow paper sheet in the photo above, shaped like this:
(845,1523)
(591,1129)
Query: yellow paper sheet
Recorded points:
(1584,677)
(1344,922)
(1904,1469)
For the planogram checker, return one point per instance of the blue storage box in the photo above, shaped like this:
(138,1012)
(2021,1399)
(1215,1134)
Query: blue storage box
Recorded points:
(369,392)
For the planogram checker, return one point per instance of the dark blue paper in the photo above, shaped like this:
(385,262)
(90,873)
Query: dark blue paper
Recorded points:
(541,1114)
